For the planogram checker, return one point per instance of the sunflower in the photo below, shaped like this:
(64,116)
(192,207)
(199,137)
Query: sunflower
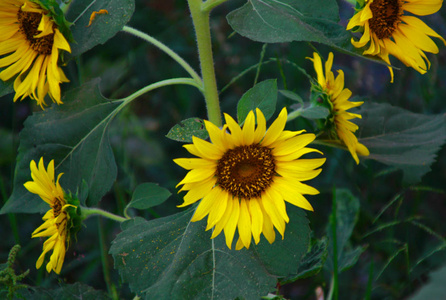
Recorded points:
(244,177)
(390,31)
(57,219)
(30,42)
(338,102)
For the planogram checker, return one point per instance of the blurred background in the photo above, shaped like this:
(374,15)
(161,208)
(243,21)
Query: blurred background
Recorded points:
(144,154)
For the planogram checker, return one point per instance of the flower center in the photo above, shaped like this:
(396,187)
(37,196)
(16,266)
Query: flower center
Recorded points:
(246,171)
(28,23)
(57,208)
(386,16)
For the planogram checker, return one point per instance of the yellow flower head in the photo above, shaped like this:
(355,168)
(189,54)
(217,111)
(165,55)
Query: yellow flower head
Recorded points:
(390,31)
(30,42)
(57,219)
(244,177)
(339,104)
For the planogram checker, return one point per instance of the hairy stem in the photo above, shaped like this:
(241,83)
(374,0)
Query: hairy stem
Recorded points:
(200,19)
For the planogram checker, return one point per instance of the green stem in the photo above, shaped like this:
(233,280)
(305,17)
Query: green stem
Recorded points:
(200,18)
(156,85)
(105,264)
(166,50)
(211,4)
(87,212)
(293,115)
(334,287)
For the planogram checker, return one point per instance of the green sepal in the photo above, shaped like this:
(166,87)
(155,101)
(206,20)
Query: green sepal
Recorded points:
(318,97)
(57,15)
(74,222)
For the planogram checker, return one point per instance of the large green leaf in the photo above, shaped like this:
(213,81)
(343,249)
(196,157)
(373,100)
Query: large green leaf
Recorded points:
(75,135)
(173,258)
(103,27)
(400,138)
(279,21)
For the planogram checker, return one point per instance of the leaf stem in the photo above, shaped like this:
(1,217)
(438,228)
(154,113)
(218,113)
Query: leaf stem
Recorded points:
(156,85)
(87,212)
(166,50)
(200,19)
(211,4)
(293,115)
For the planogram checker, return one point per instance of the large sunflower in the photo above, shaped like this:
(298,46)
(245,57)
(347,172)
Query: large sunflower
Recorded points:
(30,42)
(340,128)
(243,177)
(57,219)
(390,31)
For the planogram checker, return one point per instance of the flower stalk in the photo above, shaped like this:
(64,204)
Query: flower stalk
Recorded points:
(87,212)
(200,18)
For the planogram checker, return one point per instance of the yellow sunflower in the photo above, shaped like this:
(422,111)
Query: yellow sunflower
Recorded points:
(57,219)
(244,177)
(390,31)
(339,104)
(30,43)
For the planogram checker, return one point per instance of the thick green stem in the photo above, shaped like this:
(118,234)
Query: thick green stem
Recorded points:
(86,212)
(166,50)
(200,19)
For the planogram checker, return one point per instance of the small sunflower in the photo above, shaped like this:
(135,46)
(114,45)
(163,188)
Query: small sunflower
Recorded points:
(57,220)
(390,31)
(30,42)
(339,104)
(244,177)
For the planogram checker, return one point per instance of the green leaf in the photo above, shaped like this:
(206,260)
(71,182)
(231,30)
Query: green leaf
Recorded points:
(6,87)
(103,27)
(147,195)
(188,128)
(292,95)
(279,21)
(347,211)
(263,96)
(272,21)
(435,288)
(311,263)
(400,138)
(66,291)
(75,135)
(160,258)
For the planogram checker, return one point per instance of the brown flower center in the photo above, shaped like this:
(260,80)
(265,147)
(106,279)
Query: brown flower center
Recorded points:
(28,23)
(246,171)
(386,16)
(57,208)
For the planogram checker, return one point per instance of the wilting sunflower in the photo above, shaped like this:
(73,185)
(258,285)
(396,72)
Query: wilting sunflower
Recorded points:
(57,220)
(340,128)
(244,177)
(390,31)
(30,42)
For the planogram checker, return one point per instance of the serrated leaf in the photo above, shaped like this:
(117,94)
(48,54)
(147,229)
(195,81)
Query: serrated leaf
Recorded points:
(347,212)
(188,128)
(263,96)
(147,195)
(173,258)
(279,21)
(435,288)
(311,263)
(75,135)
(400,138)
(103,27)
